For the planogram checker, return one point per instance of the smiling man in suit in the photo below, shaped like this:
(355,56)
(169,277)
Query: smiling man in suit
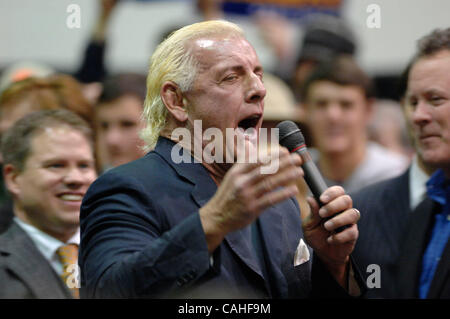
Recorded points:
(405,224)
(157,227)
(48,166)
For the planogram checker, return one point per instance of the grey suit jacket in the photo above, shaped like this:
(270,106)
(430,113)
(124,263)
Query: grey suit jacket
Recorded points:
(24,272)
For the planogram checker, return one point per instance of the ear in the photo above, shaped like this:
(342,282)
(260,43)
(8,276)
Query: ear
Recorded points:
(10,174)
(174,101)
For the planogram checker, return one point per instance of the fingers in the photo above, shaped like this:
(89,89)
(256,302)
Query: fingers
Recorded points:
(347,236)
(276,197)
(348,217)
(331,193)
(284,178)
(337,204)
(288,172)
(336,213)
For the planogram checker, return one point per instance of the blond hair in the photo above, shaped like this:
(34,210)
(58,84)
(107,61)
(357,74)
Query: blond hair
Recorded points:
(173,61)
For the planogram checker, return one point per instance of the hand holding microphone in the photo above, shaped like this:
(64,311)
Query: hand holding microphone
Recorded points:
(291,137)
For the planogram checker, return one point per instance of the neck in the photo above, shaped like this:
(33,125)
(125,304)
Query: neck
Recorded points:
(216,170)
(429,169)
(63,234)
(339,166)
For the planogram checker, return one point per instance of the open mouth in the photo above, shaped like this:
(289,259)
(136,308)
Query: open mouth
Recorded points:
(249,122)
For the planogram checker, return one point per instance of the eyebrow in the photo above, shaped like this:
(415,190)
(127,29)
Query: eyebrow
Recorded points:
(428,91)
(240,68)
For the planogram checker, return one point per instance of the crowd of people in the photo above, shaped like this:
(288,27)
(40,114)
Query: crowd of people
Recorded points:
(90,186)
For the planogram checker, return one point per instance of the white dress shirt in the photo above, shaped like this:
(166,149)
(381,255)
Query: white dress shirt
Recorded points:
(47,244)
(417,184)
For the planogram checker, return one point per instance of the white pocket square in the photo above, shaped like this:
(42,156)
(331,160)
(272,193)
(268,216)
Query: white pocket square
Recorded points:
(301,254)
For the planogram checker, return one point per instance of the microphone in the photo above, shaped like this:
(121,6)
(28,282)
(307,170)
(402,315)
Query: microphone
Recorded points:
(292,138)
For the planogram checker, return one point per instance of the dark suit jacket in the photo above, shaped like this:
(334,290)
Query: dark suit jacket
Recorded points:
(141,236)
(24,272)
(394,237)
(6,214)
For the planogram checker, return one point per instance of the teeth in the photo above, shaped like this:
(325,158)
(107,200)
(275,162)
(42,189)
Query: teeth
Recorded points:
(71,197)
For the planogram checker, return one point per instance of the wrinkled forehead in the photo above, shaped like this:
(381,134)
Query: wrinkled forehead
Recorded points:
(209,51)
(438,62)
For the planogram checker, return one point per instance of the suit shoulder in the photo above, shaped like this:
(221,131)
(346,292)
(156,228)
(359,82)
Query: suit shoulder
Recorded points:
(382,188)
(147,171)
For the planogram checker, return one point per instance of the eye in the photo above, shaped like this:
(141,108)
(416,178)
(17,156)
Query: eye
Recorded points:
(230,77)
(55,165)
(347,105)
(104,126)
(127,124)
(321,104)
(85,165)
(436,99)
(412,102)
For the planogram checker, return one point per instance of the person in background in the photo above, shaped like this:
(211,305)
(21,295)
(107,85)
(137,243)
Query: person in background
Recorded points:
(14,73)
(338,102)
(324,39)
(58,91)
(92,68)
(118,119)
(48,165)
(388,127)
(405,224)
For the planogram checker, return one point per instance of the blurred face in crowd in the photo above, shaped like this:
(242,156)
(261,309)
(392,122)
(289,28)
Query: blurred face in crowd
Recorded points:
(427,107)
(337,116)
(11,114)
(48,191)
(228,91)
(118,126)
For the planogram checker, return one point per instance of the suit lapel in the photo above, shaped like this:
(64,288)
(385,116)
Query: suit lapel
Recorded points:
(28,264)
(204,189)
(271,223)
(394,220)
(412,248)
(441,276)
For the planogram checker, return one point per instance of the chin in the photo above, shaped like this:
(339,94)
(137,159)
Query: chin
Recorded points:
(334,148)
(436,161)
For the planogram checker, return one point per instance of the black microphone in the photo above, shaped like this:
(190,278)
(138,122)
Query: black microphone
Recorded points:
(292,138)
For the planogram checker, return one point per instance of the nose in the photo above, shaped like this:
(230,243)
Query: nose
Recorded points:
(113,136)
(256,90)
(74,177)
(333,111)
(422,114)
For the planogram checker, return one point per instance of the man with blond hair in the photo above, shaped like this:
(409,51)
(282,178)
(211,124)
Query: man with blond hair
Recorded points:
(157,227)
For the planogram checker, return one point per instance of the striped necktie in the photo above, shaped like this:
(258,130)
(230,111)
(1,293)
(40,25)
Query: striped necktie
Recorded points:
(68,256)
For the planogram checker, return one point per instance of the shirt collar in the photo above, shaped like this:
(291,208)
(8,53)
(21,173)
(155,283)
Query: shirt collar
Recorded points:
(417,184)
(45,243)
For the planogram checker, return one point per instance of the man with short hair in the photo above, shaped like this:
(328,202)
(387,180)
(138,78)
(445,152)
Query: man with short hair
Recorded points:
(33,94)
(338,100)
(157,227)
(405,225)
(118,119)
(48,159)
